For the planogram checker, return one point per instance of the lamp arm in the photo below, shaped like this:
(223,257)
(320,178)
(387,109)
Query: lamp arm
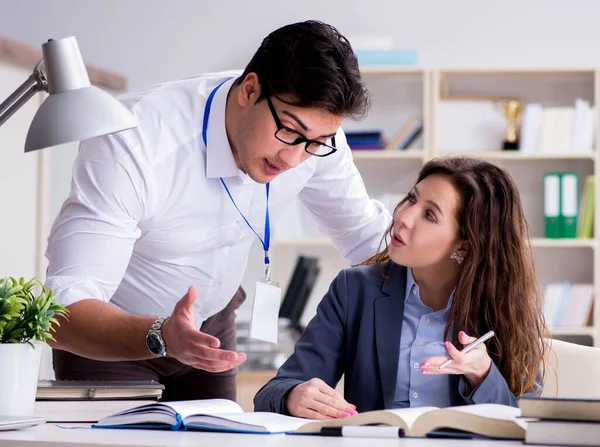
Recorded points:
(35,83)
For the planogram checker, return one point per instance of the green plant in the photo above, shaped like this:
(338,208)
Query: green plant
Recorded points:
(24,316)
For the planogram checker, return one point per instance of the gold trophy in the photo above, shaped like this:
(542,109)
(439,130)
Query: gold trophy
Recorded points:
(512,113)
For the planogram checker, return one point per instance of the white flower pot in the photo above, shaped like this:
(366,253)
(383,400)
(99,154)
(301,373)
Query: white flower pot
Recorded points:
(19,372)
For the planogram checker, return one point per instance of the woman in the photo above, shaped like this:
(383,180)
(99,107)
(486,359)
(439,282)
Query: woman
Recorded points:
(457,264)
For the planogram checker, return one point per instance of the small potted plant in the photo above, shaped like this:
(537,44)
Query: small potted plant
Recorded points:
(28,311)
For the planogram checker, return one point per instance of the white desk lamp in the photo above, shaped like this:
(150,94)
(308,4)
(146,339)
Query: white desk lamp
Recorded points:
(74,110)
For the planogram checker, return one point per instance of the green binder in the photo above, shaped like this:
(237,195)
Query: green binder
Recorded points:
(569,204)
(552,207)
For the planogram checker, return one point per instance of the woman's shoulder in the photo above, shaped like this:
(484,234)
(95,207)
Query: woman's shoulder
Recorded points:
(369,276)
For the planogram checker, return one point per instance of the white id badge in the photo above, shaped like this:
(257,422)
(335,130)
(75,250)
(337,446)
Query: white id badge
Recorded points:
(264,324)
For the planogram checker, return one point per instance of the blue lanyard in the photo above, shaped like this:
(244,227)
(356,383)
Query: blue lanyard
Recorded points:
(267,240)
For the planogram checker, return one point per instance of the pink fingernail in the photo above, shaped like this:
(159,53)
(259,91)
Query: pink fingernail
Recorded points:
(345,415)
(446,344)
(354,413)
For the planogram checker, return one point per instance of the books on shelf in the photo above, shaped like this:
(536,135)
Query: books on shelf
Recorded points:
(558,129)
(365,139)
(404,138)
(407,134)
(560,421)
(489,420)
(568,304)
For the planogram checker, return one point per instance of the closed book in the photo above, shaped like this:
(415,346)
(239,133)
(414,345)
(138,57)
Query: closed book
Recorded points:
(82,410)
(90,389)
(560,408)
(548,432)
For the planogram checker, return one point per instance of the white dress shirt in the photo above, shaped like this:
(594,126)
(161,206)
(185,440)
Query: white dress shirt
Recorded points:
(147,215)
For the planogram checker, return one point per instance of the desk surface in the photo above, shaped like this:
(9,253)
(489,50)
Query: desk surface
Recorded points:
(50,435)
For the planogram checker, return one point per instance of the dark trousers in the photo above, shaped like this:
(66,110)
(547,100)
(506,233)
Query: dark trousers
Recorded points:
(181,382)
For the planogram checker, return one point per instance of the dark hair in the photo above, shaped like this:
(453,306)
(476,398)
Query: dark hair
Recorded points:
(497,289)
(313,64)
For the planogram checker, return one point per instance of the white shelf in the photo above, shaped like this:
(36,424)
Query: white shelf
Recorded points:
(568,330)
(516,155)
(556,259)
(518,70)
(563,243)
(383,154)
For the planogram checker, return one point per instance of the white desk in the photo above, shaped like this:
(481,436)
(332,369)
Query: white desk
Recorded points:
(49,435)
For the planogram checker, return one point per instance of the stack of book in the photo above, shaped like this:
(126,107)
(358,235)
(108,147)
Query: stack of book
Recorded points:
(88,401)
(561,421)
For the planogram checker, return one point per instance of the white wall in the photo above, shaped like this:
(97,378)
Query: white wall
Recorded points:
(153,40)
(149,41)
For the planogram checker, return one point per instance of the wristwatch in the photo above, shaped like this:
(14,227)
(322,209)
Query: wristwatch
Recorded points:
(154,340)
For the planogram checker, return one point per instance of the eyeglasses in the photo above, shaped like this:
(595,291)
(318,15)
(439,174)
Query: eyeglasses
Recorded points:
(292,137)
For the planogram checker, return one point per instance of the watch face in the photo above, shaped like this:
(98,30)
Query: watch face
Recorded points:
(155,344)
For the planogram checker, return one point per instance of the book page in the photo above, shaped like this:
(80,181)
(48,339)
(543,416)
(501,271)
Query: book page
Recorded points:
(410,415)
(492,411)
(204,406)
(259,421)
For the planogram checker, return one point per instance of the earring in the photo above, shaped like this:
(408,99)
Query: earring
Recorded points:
(459,259)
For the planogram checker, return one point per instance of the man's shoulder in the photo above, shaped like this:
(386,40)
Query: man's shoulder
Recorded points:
(169,115)
(195,88)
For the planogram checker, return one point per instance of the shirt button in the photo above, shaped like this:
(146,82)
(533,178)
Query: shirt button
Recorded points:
(414,291)
(416,365)
(415,394)
(427,320)
(420,342)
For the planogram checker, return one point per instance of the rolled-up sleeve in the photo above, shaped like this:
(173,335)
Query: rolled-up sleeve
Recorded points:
(92,238)
(337,197)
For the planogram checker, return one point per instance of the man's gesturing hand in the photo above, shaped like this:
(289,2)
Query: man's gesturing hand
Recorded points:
(192,347)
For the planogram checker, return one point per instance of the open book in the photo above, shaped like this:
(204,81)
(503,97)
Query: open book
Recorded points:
(209,414)
(490,420)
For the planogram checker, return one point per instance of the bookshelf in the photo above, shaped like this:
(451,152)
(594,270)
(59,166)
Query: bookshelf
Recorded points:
(399,93)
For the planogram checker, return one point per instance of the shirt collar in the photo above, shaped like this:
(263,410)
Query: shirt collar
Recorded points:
(411,284)
(219,156)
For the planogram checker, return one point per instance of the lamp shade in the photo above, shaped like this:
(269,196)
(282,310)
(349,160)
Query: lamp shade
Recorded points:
(74,110)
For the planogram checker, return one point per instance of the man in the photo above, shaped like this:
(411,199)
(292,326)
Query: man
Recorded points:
(159,212)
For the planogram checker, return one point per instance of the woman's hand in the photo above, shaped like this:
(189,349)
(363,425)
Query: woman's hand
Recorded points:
(317,400)
(474,365)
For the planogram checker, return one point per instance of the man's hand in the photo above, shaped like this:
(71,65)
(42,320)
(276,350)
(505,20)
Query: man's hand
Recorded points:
(317,400)
(474,365)
(192,347)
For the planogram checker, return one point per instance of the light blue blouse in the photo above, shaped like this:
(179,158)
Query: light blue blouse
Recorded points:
(422,337)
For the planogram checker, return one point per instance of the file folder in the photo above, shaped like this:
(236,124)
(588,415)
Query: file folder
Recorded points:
(569,204)
(552,206)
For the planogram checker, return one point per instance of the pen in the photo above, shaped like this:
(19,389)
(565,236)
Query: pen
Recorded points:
(363,432)
(476,343)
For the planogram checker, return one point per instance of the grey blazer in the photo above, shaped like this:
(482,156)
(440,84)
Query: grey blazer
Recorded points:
(356,333)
